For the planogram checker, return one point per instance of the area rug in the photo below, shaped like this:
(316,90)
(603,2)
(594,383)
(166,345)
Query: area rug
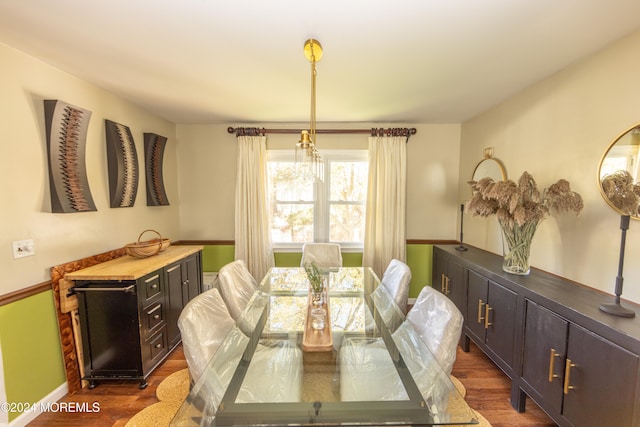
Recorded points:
(171,392)
(174,387)
(459,386)
(482,421)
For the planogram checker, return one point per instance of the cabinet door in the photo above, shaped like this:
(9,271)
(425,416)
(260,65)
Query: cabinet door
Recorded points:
(439,270)
(448,278)
(173,284)
(545,341)
(191,278)
(455,284)
(476,304)
(501,321)
(600,381)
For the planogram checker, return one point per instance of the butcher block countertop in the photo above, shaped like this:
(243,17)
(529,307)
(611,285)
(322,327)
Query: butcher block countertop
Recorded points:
(129,268)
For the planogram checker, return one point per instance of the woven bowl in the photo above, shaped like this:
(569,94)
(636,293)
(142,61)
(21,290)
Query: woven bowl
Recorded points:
(147,248)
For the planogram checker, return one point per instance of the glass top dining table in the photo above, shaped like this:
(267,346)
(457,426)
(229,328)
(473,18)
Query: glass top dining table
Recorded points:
(376,371)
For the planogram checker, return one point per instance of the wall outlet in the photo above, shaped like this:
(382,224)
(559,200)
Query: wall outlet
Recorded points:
(23,248)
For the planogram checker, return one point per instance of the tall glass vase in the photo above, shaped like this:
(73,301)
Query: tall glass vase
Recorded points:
(516,242)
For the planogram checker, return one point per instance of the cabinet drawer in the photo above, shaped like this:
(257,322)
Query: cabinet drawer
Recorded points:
(153,316)
(151,286)
(157,345)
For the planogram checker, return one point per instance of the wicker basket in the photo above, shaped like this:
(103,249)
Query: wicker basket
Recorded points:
(147,248)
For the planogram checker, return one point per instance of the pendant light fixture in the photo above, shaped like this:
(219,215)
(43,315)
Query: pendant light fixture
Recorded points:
(312,161)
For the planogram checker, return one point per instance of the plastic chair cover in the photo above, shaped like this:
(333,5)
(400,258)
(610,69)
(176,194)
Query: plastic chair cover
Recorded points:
(274,374)
(203,323)
(396,279)
(367,372)
(325,255)
(386,308)
(433,383)
(439,323)
(236,286)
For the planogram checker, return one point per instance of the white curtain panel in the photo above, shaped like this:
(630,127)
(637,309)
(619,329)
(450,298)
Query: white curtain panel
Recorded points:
(252,237)
(385,230)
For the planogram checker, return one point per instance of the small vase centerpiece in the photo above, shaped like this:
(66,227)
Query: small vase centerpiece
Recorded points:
(519,209)
(316,283)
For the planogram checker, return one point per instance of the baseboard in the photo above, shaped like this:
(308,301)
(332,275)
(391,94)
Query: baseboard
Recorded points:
(26,417)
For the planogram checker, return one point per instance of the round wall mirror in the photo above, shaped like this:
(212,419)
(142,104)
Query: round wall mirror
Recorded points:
(618,173)
(489,167)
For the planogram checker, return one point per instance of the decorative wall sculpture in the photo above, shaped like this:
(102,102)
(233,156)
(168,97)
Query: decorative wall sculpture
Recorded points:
(66,129)
(122,161)
(153,156)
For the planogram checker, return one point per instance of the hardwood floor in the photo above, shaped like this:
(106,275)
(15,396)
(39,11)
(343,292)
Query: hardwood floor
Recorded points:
(119,400)
(487,392)
(489,389)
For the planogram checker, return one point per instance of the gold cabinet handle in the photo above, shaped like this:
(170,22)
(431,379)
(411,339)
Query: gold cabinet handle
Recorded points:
(446,286)
(552,358)
(486,316)
(567,376)
(442,279)
(480,304)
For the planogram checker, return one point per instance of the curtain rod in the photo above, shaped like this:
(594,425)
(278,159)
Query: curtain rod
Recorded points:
(372,131)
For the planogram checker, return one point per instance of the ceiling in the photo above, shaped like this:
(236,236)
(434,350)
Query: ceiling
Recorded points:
(242,61)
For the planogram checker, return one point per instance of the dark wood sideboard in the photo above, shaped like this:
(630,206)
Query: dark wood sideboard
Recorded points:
(580,365)
(129,311)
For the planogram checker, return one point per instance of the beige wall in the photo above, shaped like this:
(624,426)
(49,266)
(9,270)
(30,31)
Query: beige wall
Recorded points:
(207,164)
(25,213)
(560,128)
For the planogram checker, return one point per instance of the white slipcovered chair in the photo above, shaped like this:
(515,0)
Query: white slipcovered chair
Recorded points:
(204,323)
(439,323)
(396,279)
(427,341)
(237,285)
(325,255)
(207,328)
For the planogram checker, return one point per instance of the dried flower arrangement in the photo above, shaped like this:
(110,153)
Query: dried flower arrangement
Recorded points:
(520,208)
(619,188)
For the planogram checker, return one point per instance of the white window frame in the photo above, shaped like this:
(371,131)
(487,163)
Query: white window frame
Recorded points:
(321,196)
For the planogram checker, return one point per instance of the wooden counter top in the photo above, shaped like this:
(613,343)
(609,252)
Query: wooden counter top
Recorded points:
(129,268)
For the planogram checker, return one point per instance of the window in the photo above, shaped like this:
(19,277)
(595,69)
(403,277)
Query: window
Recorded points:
(332,210)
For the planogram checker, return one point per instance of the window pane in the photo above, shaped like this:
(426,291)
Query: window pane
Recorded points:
(348,181)
(292,223)
(307,210)
(346,223)
(285,184)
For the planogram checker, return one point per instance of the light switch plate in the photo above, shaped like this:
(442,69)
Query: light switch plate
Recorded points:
(23,248)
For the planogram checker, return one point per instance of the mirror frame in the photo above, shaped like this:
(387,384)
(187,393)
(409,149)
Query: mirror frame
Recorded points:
(501,167)
(598,178)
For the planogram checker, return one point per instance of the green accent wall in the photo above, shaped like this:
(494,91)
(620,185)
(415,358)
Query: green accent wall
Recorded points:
(418,259)
(215,256)
(31,349)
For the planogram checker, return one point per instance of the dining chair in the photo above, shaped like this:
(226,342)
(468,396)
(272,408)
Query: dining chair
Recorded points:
(204,323)
(325,255)
(237,285)
(438,322)
(427,338)
(207,328)
(396,279)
